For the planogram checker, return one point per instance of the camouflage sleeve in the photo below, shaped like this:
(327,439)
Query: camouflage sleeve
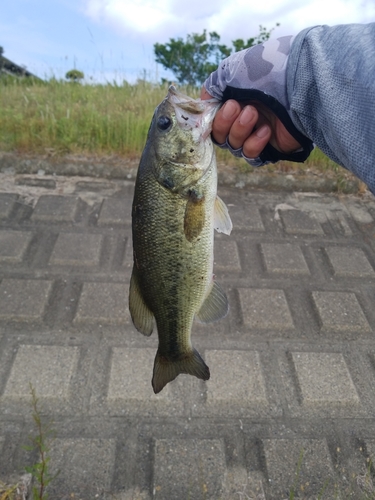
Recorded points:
(331,93)
(259,73)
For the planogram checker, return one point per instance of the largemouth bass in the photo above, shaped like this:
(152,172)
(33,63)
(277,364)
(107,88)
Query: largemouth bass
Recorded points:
(175,210)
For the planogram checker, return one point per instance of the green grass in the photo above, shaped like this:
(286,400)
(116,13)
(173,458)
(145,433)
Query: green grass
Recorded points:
(73,118)
(60,117)
(40,443)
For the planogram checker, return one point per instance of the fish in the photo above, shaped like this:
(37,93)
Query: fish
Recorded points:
(174,213)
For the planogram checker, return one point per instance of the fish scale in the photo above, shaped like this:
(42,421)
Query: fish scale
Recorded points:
(167,263)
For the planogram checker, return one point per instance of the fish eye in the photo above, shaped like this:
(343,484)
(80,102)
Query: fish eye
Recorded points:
(164,122)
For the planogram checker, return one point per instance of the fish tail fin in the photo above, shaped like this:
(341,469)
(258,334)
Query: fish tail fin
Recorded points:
(166,370)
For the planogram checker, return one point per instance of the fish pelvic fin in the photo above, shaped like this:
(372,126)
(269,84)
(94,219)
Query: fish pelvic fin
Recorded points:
(215,306)
(166,370)
(141,315)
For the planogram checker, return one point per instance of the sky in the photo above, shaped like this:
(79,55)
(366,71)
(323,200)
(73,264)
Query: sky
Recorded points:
(112,40)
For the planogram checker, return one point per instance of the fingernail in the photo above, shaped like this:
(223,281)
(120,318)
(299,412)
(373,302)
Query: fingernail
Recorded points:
(229,110)
(262,131)
(246,116)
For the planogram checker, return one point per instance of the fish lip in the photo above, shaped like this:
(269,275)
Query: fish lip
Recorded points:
(193,113)
(172,90)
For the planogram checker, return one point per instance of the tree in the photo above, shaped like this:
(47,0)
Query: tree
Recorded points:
(263,36)
(193,59)
(1,58)
(74,75)
(190,60)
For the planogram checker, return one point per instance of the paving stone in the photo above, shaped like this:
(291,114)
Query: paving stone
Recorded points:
(344,225)
(2,466)
(48,368)
(359,213)
(324,379)
(99,185)
(132,494)
(243,485)
(298,222)
(130,375)
(83,467)
(23,300)
(245,383)
(128,254)
(340,312)
(246,217)
(304,464)
(105,303)
(349,262)
(339,218)
(189,468)
(226,255)
(217,439)
(370,448)
(13,245)
(36,182)
(265,309)
(115,211)
(77,250)
(7,201)
(50,208)
(284,258)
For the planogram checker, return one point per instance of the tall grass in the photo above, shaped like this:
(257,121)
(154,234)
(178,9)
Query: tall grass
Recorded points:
(70,117)
(103,119)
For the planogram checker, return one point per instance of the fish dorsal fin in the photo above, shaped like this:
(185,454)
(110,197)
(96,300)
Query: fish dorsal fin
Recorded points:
(142,317)
(222,221)
(215,306)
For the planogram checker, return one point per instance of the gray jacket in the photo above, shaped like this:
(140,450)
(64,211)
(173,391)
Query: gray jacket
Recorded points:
(321,84)
(330,80)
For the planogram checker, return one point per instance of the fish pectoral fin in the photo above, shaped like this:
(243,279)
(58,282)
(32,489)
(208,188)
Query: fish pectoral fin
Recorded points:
(166,370)
(222,221)
(141,315)
(194,217)
(215,306)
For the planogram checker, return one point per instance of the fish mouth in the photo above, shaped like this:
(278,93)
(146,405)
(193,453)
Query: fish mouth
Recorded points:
(193,114)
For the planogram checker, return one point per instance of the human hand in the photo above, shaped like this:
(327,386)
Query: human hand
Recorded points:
(254,122)
(250,127)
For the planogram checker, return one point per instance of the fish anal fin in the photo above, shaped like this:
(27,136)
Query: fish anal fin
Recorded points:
(166,370)
(222,220)
(215,306)
(141,315)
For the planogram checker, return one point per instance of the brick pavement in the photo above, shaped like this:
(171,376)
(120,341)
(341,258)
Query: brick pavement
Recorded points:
(290,405)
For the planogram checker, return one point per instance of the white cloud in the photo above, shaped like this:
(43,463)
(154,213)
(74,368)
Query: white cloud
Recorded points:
(159,21)
(134,15)
(120,39)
